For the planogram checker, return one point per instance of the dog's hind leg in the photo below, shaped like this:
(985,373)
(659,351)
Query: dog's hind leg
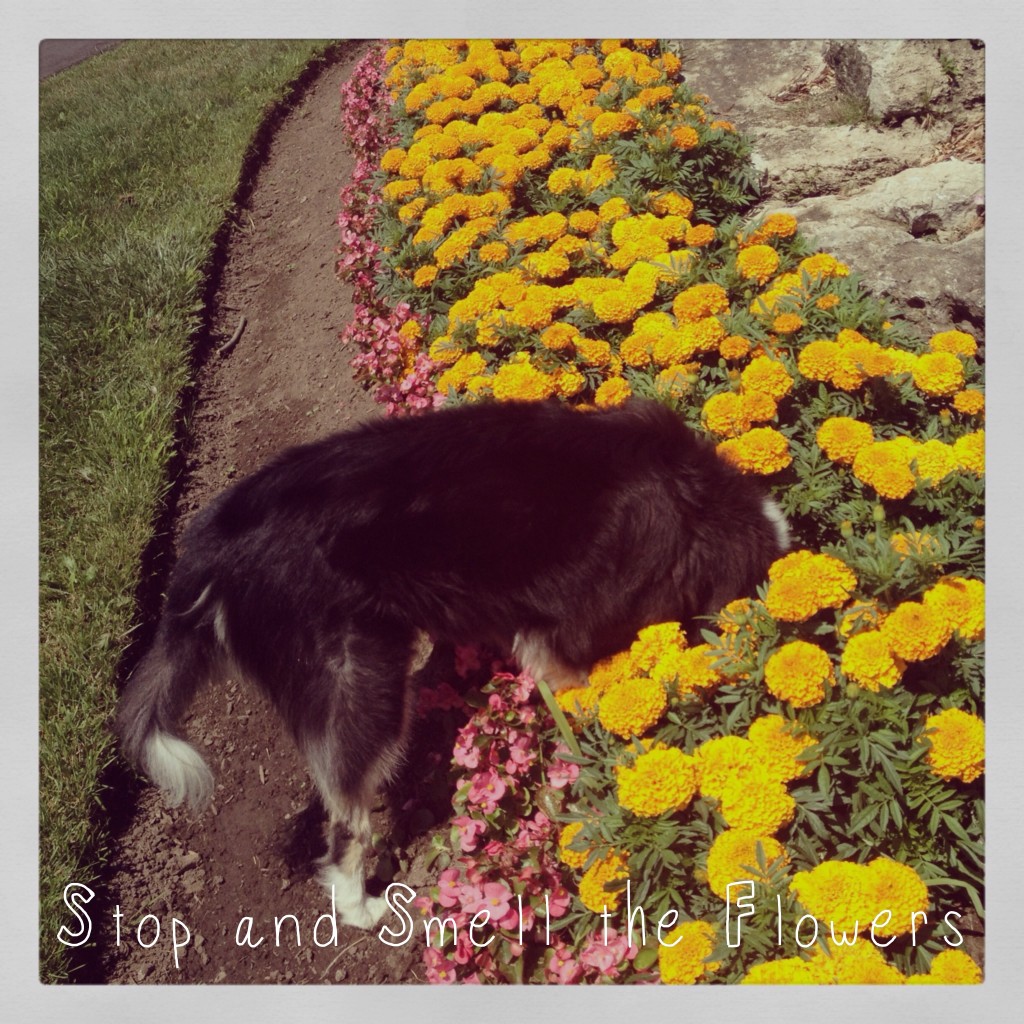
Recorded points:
(357,747)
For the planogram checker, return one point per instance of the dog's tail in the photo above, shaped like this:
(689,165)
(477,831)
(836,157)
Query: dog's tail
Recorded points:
(157,695)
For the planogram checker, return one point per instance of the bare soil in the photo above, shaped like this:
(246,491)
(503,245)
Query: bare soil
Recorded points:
(287,380)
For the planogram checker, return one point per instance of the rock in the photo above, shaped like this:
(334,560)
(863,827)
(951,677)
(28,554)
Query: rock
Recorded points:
(860,141)
(826,159)
(914,239)
(902,78)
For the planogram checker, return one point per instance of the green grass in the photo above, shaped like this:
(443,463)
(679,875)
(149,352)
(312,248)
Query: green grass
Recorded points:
(140,155)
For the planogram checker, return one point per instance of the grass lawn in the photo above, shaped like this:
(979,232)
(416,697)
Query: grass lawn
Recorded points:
(141,151)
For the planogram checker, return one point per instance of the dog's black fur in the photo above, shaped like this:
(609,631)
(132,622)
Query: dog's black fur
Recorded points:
(551,533)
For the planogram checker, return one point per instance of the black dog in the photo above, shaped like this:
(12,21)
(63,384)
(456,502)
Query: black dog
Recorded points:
(324,576)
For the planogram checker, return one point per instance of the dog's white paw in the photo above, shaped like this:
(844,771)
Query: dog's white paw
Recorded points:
(351,904)
(366,914)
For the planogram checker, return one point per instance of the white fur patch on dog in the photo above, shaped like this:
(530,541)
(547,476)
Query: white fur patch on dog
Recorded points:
(178,769)
(774,513)
(348,896)
(534,657)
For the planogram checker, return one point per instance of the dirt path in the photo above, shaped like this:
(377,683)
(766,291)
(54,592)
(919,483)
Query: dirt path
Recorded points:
(287,380)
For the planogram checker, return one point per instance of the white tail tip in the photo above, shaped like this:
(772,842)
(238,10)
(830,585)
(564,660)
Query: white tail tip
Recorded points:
(179,770)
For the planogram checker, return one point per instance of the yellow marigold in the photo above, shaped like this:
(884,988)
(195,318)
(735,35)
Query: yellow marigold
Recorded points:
(572,858)
(614,306)
(691,669)
(396,191)
(632,707)
(950,967)
(790,970)
(869,662)
(962,603)
(584,222)
(733,858)
(392,160)
(970,452)
(700,235)
(673,381)
(897,888)
(424,276)
(957,744)
(684,952)
(699,301)
(612,122)
(660,781)
(493,252)
(593,894)
(559,336)
(787,323)
(823,264)
(917,542)
(456,376)
(545,265)
(594,351)
(779,745)
(885,466)
(762,450)
(755,802)
(970,402)
(834,892)
(578,701)
(841,437)
(569,382)
(826,302)
(612,209)
(768,375)
(798,673)
(684,137)
(520,381)
(444,351)
(939,373)
(635,350)
(959,343)
(915,632)
(672,203)
(734,347)
(726,415)
(818,360)
(561,180)
(859,964)
(779,225)
(934,461)
(721,759)
(757,263)
(760,407)
(611,671)
(652,642)
(612,392)
(792,598)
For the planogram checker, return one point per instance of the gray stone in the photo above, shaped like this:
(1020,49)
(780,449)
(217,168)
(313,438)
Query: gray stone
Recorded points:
(914,239)
(823,160)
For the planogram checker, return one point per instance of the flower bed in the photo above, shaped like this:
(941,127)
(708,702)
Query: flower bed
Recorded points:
(562,218)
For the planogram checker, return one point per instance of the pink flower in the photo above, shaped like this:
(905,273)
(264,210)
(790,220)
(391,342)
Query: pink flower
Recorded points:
(486,790)
(562,968)
(495,898)
(607,958)
(440,970)
(559,901)
(449,886)
(470,829)
(562,773)
(466,753)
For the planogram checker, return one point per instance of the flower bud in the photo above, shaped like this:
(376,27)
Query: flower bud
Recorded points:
(878,514)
